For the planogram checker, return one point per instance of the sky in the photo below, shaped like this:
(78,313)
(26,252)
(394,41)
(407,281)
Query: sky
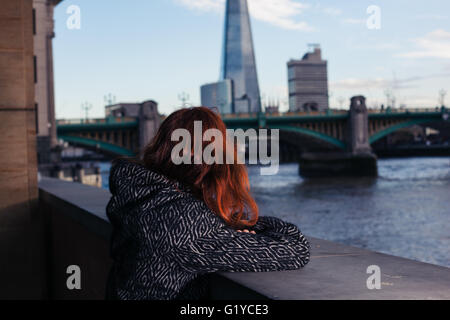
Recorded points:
(138,50)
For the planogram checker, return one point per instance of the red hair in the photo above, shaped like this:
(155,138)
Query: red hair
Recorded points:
(225,188)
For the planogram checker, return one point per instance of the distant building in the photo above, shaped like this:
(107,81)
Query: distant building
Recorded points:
(146,112)
(218,95)
(308,82)
(272,106)
(272,109)
(132,110)
(43,34)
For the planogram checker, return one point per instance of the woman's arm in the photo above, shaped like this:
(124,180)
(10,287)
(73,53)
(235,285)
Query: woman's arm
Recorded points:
(276,246)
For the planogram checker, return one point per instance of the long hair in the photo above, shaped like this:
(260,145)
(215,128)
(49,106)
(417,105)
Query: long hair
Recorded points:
(224,187)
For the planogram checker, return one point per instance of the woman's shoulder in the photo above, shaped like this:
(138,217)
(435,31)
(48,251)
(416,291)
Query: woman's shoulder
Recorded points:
(195,212)
(153,198)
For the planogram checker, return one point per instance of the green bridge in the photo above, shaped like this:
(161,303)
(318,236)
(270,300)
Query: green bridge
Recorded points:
(330,130)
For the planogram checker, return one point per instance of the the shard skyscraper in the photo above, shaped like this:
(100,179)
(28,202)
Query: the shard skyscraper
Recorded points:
(238,57)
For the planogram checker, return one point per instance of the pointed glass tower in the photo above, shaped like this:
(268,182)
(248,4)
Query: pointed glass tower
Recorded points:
(238,57)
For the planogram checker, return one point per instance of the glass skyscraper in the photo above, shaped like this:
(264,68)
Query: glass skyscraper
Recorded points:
(238,58)
(218,95)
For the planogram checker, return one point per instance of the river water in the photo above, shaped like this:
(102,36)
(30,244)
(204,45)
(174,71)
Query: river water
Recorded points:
(404,212)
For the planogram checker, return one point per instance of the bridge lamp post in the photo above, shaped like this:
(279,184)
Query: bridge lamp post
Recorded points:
(341,101)
(442,94)
(86,107)
(184,98)
(109,99)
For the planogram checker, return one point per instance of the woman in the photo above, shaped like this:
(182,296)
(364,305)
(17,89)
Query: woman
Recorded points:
(173,224)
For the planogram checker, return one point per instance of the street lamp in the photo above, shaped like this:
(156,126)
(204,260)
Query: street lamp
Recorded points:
(86,107)
(184,97)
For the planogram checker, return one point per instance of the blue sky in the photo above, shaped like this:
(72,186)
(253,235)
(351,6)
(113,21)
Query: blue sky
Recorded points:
(156,49)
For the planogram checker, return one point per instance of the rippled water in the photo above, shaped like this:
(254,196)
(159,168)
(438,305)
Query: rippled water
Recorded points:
(404,212)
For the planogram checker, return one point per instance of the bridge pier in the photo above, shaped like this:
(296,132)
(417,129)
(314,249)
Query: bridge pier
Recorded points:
(149,122)
(357,160)
(314,165)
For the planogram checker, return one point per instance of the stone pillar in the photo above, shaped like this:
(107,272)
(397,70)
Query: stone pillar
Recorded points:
(21,269)
(44,85)
(357,160)
(358,127)
(149,122)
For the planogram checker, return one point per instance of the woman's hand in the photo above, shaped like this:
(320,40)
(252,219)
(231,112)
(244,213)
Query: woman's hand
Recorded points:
(246,230)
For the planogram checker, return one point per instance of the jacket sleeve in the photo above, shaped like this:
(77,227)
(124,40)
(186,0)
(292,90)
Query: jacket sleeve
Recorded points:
(276,246)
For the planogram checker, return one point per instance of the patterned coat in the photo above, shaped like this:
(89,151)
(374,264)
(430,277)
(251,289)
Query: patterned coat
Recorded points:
(165,240)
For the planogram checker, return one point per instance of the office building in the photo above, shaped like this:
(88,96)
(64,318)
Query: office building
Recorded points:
(308,82)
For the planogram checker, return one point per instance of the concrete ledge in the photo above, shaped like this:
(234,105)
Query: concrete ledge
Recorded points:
(84,204)
(339,272)
(80,235)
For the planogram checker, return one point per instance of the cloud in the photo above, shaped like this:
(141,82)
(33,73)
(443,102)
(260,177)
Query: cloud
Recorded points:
(354,83)
(321,9)
(382,83)
(426,77)
(331,11)
(386,46)
(375,89)
(435,44)
(419,101)
(431,17)
(203,5)
(280,13)
(354,21)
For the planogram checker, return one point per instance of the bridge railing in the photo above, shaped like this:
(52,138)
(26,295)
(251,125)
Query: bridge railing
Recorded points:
(287,113)
(331,112)
(408,110)
(315,113)
(95,121)
(239,115)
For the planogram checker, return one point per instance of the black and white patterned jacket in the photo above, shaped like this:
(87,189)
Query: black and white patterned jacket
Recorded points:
(164,239)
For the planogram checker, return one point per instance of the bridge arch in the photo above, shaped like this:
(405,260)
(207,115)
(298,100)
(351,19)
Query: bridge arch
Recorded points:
(315,134)
(383,133)
(93,144)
